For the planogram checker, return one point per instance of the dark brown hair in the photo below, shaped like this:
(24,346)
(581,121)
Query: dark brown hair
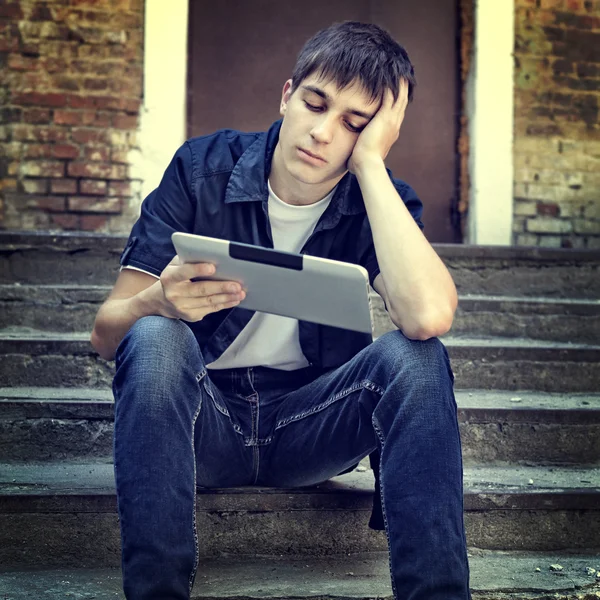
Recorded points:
(350,51)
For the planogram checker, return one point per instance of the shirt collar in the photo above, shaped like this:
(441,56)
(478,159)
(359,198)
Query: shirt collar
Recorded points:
(248,180)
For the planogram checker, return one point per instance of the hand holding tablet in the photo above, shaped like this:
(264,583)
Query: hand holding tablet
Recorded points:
(303,287)
(188,292)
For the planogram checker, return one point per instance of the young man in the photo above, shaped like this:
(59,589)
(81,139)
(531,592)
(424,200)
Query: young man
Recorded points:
(207,394)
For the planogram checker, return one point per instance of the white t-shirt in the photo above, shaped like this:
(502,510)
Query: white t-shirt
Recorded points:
(271,340)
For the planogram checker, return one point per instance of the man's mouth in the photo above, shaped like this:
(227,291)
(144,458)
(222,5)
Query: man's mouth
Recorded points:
(312,155)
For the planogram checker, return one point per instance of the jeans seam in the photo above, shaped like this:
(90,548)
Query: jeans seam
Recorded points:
(255,427)
(381,437)
(341,394)
(195,528)
(202,377)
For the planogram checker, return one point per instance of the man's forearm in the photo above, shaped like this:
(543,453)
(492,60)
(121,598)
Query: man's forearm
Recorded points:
(420,290)
(115,318)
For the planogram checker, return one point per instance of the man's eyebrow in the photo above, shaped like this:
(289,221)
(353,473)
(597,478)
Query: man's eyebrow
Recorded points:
(327,97)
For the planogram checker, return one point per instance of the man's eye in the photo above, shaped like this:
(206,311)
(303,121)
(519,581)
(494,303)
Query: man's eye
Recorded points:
(312,107)
(353,128)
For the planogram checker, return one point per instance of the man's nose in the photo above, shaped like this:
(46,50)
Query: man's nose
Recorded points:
(323,130)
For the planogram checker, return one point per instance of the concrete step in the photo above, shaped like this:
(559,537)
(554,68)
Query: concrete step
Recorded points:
(47,424)
(51,359)
(51,307)
(494,575)
(73,308)
(552,319)
(71,506)
(42,258)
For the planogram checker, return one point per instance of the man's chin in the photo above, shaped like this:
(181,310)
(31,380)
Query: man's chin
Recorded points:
(314,177)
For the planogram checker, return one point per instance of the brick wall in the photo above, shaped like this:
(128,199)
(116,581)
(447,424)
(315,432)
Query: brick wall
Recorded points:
(557,132)
(70,93)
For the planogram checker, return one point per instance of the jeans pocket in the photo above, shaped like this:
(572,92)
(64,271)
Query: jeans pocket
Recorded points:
(217,401)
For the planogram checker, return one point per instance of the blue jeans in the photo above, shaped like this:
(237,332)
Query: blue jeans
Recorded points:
(179,426)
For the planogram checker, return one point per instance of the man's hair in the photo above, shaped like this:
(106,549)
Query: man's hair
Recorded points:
(350,51)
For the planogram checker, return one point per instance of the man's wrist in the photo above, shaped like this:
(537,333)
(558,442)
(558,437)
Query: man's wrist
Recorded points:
(367,166)
(147,302)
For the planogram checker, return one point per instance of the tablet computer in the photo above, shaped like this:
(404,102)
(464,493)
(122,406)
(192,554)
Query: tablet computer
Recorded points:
(304,287)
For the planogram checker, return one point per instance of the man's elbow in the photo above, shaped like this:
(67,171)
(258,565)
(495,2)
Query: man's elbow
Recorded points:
(427,325)
(99,347)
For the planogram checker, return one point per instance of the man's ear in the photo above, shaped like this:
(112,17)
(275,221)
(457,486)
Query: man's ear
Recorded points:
(285,96)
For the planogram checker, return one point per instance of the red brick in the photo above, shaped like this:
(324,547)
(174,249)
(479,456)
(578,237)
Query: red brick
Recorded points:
(95,85)
(101,154)
(65,82)
(97,170)
(40,12)
(113,68)
(85,204)
(47,203)
(18,62)
(92,222)
(87,15)
(37,151)
(81,66)
(74,117)
(114,4)
(93,51)
(63,186)
(33,133)
(589,22)
(11,10)
(10,115)
(102,120)
(9,45)
(31,80)
(64,221)
(588,70)
(123,86)
(43,168)
(548,209)
(125,121)
(36,115)
(39,99)
(30,48)
(92,187)
(119,188)
(35,186)
(90,136)
(100,102)
(76,101)
(131,105)
(65,151)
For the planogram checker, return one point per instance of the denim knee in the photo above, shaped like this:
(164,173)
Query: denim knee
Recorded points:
(155,354)
(169,339)
(422,361)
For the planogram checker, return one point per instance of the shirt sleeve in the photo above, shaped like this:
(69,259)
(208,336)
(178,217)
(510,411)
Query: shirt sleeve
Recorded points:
(368,257)
(169,208)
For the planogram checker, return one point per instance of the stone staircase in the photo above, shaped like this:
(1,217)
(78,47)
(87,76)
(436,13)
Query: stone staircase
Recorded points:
(525,349)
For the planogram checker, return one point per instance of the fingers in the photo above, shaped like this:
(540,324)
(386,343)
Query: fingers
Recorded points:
(188,295)
(212,300)
(177,272)
(200,289)
(402,100)
(192,301)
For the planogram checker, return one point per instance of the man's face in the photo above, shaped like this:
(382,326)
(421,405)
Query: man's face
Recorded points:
(324,121)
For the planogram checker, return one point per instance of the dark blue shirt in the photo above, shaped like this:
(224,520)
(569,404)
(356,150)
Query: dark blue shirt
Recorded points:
(216,185)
